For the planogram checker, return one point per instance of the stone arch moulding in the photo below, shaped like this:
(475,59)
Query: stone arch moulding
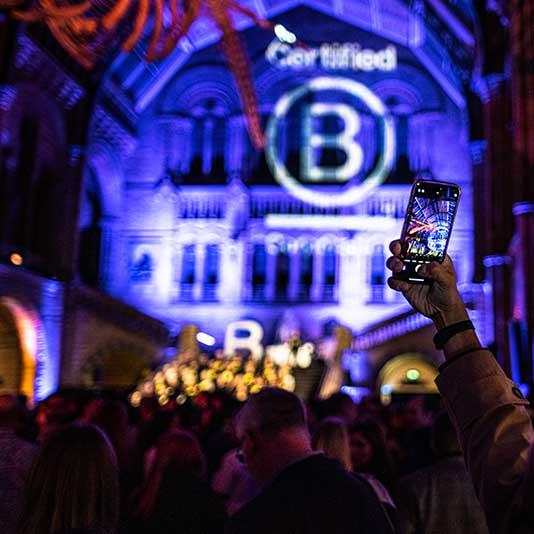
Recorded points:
(185,91)
(109,174)
(35,373)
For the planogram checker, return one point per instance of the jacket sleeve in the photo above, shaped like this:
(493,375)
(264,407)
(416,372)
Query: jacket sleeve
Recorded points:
(495,431)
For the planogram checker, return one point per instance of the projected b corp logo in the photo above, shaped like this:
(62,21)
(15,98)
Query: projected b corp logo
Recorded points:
(345,140)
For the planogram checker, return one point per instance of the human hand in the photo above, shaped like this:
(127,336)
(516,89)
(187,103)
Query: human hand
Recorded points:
(440,300)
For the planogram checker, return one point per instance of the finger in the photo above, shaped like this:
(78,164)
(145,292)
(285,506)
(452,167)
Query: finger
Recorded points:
(395,247)
(435,271)
(394,264)
(398,285)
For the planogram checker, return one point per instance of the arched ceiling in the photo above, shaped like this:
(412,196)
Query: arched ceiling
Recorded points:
(440,33)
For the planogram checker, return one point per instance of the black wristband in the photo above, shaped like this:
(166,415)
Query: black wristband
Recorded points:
(443,335)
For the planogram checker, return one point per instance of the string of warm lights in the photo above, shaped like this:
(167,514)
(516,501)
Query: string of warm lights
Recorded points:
(84,29)
(188,375)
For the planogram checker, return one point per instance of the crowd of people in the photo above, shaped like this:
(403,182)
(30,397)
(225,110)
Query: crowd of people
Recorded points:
(91,463)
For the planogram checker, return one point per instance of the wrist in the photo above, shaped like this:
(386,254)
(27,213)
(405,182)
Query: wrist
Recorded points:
(464,341)
(455,314)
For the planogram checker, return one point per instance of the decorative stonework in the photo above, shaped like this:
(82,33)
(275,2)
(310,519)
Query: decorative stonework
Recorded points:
(33,64)
(8,95)
(105,127)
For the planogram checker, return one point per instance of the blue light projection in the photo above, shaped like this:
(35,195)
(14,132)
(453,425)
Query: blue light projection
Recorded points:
(208,235)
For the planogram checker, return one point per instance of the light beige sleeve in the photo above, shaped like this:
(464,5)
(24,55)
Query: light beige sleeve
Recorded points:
(495,432)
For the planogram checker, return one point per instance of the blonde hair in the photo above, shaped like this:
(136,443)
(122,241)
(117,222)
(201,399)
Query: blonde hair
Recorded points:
(332,438)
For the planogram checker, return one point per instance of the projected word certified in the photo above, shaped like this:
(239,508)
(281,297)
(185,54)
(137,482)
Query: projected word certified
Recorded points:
(312,105)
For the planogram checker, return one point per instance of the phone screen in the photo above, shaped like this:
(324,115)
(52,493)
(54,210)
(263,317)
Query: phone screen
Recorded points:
(429,222)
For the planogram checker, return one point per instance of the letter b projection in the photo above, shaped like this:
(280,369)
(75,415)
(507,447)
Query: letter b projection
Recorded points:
(344,140)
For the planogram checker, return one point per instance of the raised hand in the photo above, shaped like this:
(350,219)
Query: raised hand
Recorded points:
(440,300)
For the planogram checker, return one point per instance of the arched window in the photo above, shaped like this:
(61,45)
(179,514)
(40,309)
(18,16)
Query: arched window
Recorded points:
(259,271)
(282,273)
(330,273)
(188,272)
(211,272)
(306,271)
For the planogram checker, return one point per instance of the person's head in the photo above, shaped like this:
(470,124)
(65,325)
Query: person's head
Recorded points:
(272,431)
(177,453)
(418,413)
(332,438)
(368,450)
(9,411)
(54,413)
(340,405)
(148,409)
(73,484)
(444,440)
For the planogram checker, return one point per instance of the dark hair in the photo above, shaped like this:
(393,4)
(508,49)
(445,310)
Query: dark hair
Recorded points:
(444,440)
(272,410)
(381,464)
(9,410)
(73,484)
(178,452)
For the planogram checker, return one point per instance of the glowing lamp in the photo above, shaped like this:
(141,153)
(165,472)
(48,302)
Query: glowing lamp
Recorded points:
(15,259)
(413,375)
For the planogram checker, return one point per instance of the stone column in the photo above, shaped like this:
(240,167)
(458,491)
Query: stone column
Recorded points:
(177,262)
(498,273)
(57,353)
(318,274)
(200,259)
(478,155)
(348,270)
(163,267)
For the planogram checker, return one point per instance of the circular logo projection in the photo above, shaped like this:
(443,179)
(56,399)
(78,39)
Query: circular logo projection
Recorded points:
(318,103)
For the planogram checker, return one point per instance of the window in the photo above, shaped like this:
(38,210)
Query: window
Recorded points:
(259,271)
(211,272)
(306,271)
(188,272)
(330,273)
(282,273)
(378,279)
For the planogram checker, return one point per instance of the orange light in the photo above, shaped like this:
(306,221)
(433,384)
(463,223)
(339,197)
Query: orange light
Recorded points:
(16,259)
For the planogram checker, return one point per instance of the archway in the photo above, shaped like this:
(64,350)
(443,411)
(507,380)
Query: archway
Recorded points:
(18,347)
(407,374)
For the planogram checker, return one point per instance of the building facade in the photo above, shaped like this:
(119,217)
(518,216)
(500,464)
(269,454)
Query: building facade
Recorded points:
(173,218)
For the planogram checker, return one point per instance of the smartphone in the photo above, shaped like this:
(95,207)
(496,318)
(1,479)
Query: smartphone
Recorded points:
(427,227)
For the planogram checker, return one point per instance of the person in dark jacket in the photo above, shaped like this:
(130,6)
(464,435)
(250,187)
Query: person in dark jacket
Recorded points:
(303,492)
(175,497)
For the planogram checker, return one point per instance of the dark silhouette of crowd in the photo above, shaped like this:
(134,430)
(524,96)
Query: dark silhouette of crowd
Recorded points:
(90,463)
(100,465)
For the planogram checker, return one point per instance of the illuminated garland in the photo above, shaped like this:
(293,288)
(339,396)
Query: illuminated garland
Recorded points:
(187,376)
(84,28)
